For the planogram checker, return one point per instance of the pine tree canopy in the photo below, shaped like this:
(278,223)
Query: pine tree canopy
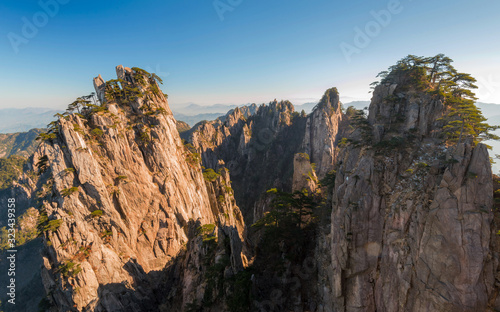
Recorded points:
(437,76)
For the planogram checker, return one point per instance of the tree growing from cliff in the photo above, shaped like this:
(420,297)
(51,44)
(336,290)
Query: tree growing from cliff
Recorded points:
(464,119)
(289,210)
(436,75)
(84,105)
(78,105)
(139,84)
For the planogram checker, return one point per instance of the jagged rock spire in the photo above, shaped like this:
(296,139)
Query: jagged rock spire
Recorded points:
(99,86)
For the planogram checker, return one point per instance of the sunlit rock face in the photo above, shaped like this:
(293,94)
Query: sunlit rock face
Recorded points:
(133,222)
(126,192)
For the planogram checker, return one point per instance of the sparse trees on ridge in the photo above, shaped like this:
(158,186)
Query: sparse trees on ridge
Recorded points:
(437,76)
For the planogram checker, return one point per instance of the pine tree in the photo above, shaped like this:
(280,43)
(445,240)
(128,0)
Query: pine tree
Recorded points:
(289,210)
(437,76)
(464,119)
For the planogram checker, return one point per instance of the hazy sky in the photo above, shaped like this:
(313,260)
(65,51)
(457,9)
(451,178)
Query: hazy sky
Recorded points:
(237,51)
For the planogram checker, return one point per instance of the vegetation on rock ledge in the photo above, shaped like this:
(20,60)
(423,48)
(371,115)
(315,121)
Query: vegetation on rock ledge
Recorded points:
(437,76)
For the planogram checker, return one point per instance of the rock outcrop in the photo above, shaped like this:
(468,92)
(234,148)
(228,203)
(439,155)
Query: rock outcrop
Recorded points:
(136,219)
(304,176)
(411,219)
(258,150)
(29,287)
(124,194)
(259,145)
(324,128)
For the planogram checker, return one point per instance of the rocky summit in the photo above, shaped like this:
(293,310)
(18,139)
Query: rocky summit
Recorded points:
(265,208)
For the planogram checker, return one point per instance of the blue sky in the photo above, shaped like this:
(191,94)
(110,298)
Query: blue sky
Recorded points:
(258,50)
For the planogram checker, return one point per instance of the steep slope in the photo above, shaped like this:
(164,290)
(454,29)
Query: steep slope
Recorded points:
(182,127)
(134,219)
(21,143)
(259,144)
(29,287)
(411,219)
(323,130)
(123,195)
(257,150)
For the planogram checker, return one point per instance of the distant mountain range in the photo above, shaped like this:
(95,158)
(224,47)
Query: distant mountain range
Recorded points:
(194,113)
(19,140)
(195,109)
(192,120)
(23,119)
(20,143)
(14,120)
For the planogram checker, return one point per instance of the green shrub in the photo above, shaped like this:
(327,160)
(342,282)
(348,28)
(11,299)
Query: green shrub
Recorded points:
(221,199)
(241,285)
(68,191)
(97,132)
(344,142)
(46,136)
(393,143)
(193,159)
(42,164)
(144,137)
(106,234)
(229,190)
(4,239)
(25,231)
(96,213)
(451,161)
(304,156)
(160,110)
(69,170)
(422,165)
(53,225)
(208,233)
(69,269)
(192,307)
(210,175)
(121,178)
(10,170)
(206,229)
(329,180)
(44,305)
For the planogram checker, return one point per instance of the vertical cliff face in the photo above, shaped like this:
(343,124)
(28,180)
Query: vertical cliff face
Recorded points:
(258,150)
(259,146)
(134,219)
(304,175)
(411,219)
(322,132)
(124,192)
(29,288)
(203,274)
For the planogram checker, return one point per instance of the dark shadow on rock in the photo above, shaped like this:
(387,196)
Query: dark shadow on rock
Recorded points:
(29,287)
(148,290)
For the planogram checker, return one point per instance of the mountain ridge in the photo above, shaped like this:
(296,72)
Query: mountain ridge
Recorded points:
(340,209)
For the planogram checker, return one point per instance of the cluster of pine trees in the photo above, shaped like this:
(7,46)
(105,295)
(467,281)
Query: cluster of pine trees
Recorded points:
(437,76)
